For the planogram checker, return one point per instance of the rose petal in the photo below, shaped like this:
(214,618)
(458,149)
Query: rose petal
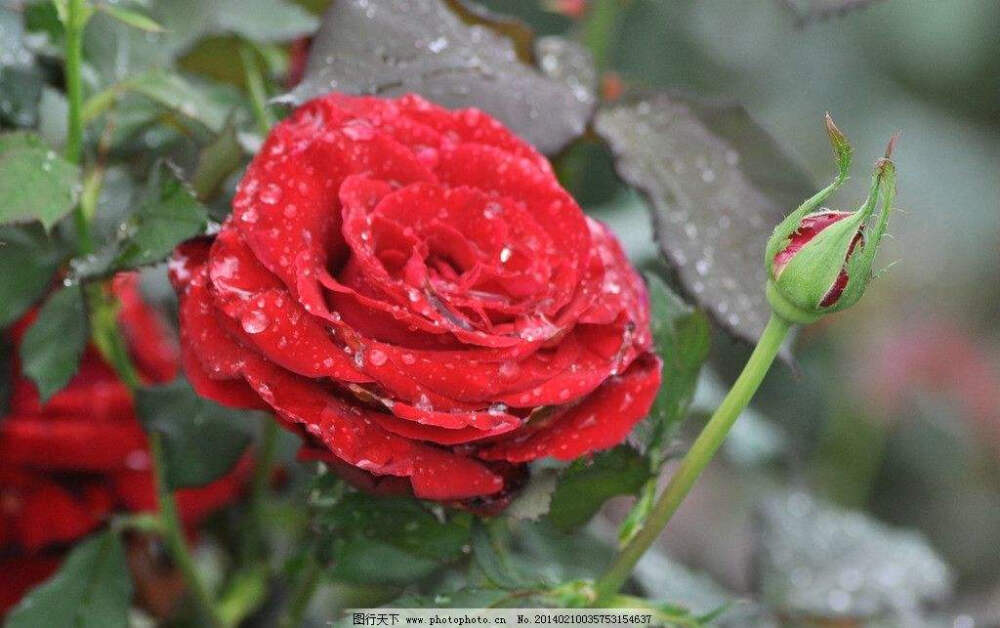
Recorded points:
(600,421)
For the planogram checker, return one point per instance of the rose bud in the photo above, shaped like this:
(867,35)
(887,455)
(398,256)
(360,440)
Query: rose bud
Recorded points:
(411,290)
(820,260)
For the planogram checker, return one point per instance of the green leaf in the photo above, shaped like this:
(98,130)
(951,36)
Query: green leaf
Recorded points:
(395,47)
(92,589)
(412,540)
(190,99)
(490,549)
(168,215)
(586,484)
(20,95)
(362,560)
(132,18)
(202,440)
(116,50)
(216,161)
(401,521)
(35,182)
(817,560)
(683,336)
(717,184)
(36,258)
(53,345)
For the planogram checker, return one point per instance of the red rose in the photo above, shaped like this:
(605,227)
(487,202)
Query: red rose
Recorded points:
(66,465)
(411,290)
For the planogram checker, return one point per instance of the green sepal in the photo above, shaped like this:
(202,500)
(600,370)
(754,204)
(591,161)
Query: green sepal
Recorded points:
(843,154)
(787,310)
(813,270)
(860,263)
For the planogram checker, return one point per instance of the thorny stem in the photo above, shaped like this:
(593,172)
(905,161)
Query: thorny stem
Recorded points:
(696,459)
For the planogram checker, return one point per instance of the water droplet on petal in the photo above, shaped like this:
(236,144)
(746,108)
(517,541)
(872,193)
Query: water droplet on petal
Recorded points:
(255,321)
(271,194)
(377,357)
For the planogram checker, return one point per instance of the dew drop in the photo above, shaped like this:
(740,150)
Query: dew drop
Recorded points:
(255,321)
(497,409)
(359,131)
(509,369)
(377,357)
(271,194)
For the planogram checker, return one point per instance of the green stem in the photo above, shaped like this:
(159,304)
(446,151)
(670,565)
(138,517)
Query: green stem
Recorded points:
(75,21)
(600,29)
(112,346)
(261,481)
(77,13)
(697,458)
(308,581)
(173,535)
(256,89)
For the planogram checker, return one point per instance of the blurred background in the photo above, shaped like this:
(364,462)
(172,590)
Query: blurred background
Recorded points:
(894,407)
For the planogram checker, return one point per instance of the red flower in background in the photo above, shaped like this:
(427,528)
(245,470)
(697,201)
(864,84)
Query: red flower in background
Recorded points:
(411,290)
(67,464)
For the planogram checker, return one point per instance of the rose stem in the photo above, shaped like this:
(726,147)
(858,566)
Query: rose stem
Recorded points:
(256,89)
(77,13)
(173,534)
(112,345)
(308,580)
(696,459)
(260,484)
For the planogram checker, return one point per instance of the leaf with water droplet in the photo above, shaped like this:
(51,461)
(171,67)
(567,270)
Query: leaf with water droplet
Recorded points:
(202,441)
(819,561)
(392,47)
(35,182)
(717,185)
(91,588)
(52,347)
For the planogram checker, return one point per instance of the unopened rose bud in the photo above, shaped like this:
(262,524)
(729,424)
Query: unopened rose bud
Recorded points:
(820,260)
